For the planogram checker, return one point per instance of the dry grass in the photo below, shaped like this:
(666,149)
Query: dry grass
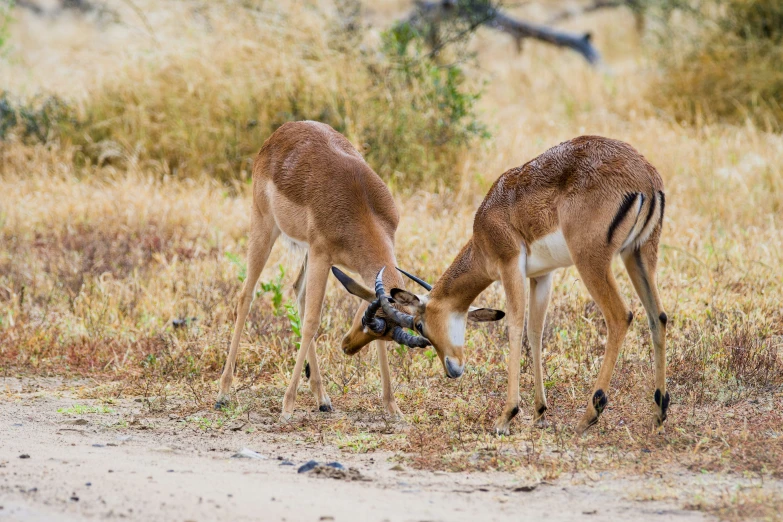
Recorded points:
(721,62)
(97,262)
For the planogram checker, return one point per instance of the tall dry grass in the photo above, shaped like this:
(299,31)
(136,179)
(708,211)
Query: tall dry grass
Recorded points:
(720,61)
(96,264)
(203,107)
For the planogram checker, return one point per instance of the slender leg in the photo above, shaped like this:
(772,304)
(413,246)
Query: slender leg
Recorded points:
(641,268)
(540,294)
(597,275)
(316,277)
(387,394)
(513,280)
(263,233)
(312,371)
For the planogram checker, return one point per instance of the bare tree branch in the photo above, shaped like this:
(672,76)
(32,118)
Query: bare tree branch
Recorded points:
(482,12)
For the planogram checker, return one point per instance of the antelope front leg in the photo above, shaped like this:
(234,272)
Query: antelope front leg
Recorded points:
(387,393)
(316,382)
(317,273)
(540,293)
(514,285)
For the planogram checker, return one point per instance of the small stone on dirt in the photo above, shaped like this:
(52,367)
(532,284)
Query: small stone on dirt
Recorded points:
(78,422)
(397,467)
(286,463)
(525,487)
(246,453)
(24,456)
(304,468)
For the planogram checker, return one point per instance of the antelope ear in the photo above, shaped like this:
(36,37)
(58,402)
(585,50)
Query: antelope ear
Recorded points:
(405,298)
(483,315)
(357,289)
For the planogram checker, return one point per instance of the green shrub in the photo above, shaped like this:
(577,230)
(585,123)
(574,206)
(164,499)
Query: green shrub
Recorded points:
(36,121)
(423,116)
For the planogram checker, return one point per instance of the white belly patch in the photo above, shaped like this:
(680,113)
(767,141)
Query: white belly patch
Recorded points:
(546,254)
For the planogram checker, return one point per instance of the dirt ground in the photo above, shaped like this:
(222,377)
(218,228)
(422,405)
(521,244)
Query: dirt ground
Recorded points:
(102,462)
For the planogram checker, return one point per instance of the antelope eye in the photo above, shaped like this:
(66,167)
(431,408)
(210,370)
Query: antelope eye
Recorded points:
(420,327)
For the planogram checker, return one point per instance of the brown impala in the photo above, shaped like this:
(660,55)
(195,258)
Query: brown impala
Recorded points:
(311,186)
(579,203)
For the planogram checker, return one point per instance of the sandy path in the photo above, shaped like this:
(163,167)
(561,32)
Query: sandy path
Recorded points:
(82,471)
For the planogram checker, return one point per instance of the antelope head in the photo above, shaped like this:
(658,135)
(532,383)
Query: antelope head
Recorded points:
(379,320)
(435,322)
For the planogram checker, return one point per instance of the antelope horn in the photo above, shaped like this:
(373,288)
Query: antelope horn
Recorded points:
(376,324)
(402,319)
(422,282)
(414,341)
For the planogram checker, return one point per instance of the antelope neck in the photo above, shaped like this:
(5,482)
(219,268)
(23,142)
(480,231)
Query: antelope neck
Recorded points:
(463,280)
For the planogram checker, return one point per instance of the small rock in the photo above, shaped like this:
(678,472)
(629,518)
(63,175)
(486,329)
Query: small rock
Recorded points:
(24,456)
(99,445)
(78,422)
(591,512)
(307,467)
(396,467)
(335,465)
(286,463)
(74,498)
(525,487)
(246,453)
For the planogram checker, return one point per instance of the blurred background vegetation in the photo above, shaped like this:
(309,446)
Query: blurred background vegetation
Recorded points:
(406,98)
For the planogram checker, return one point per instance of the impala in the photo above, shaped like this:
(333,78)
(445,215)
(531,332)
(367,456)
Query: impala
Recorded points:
(311,186)
(579,203)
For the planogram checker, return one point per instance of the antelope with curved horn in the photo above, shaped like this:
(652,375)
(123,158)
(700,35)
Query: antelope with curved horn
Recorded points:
(579,203)
(311,186)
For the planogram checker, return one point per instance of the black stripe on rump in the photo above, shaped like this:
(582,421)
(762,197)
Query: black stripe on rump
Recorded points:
(628,201)
(650,212)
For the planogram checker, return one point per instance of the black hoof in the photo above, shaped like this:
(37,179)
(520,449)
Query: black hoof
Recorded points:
(662,402)
(541,411)
(219,405)
(325,408)
(599,402)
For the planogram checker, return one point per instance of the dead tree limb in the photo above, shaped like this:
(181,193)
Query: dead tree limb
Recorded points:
(482,12)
